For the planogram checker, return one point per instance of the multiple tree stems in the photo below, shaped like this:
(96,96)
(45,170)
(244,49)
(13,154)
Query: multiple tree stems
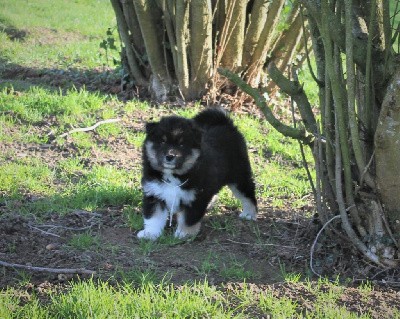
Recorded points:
(354,66)
(174,47)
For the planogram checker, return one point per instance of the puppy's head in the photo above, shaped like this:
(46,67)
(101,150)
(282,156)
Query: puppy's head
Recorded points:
(172,144)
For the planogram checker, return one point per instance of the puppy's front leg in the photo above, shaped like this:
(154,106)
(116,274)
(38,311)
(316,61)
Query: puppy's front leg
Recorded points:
(189,222)
(183,229)
(155,218)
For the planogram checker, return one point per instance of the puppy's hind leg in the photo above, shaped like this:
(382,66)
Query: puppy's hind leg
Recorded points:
(245,192)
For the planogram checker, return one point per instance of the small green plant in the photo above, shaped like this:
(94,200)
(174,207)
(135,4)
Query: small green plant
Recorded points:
(136,138)
(366,287)
(226,198)
(280,308)
(24,278)
(208,265)
(108,49)
(293,278)
(256,231)
(289,276)
(223,223)
(147,246)
(133,217)
(11,247)
(138,277)
(84,241)
(71,166)
(82,140)
(235,270)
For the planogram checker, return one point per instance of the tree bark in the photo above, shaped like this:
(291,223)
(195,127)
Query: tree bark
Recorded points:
(200,47)
(387,152)
(182,24)
(160,82)
(266,37)
(134,68)
(255,28)
(232,51)
(285,46)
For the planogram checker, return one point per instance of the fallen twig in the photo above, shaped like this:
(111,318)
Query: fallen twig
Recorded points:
(90,128)
(64,227)
(257,244)
(52,270)
(43,231)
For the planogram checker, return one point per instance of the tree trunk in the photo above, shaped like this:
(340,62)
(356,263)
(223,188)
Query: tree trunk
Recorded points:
(123,27)
(256,26)
(387,152)
(284,49)
(232,47)
(174,46)
(201,51)
(160,82)
(182,24)
(265,41)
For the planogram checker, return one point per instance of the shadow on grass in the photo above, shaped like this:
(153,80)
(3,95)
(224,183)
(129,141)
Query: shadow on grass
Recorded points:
(90,199)
(103,79)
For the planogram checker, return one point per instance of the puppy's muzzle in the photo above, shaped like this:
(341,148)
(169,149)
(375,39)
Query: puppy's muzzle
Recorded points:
(171,157)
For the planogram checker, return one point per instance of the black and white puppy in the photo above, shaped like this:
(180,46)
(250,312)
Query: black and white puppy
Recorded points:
(185,163)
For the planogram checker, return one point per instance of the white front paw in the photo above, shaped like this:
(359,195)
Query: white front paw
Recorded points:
(187,231)
(146,234)
(248,215)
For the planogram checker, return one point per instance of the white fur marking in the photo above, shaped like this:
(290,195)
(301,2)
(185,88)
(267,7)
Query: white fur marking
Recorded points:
(170,191)
(154,226)
(183,230)
(249,209)
(151,155)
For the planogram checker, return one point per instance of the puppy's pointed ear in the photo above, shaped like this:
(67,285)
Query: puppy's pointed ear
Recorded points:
(150,127)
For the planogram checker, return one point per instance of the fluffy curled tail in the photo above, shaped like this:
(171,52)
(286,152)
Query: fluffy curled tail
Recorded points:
(212,117)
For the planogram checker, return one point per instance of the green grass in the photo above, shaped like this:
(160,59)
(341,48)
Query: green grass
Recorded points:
(26,176)
(100,300)
(235,270)
(54,34)
(92,299)
(84,241)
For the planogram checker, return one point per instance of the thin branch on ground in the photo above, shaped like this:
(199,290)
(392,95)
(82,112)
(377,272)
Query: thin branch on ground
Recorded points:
(43,231)
(51,227)
(65,227)
(257,244)
(51,270)
(90,128)
(315,243)
(84,212)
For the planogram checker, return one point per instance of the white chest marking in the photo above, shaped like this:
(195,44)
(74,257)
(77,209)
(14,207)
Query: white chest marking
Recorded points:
(170,191)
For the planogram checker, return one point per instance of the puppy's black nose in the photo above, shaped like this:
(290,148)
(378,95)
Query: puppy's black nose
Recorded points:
(169,157)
